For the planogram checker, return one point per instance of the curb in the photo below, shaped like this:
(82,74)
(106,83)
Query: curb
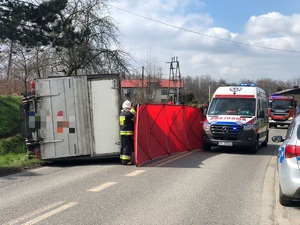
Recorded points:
(269,212)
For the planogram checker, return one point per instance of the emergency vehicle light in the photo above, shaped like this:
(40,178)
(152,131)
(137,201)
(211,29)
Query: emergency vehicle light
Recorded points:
(248,85)
(281,97)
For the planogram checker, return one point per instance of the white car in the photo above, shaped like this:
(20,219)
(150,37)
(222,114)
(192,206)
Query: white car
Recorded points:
(288,164)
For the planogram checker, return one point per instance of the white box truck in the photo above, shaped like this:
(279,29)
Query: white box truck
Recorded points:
(73,117)
(237,117)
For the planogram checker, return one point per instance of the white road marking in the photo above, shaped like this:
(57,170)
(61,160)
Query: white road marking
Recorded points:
(164,158)
(31,214)
(102,186)
(51,213)
(177,156)
(135,173)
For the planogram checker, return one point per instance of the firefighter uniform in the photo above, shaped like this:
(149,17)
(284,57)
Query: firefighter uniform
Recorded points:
(126,131)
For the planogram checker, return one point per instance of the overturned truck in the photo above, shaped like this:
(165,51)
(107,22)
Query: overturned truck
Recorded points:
(73,117)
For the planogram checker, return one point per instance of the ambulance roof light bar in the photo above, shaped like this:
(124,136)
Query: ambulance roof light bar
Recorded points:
(248,85)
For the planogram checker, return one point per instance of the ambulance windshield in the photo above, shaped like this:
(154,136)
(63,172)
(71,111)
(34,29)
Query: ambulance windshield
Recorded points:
(232,106)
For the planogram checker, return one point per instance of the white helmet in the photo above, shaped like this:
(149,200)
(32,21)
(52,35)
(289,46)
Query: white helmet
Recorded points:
(126,105)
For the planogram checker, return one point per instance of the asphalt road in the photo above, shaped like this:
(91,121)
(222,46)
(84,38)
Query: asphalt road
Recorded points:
(225,186)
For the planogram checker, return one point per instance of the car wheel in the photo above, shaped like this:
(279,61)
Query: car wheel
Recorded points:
(254,147)
(206,147)
(284,200)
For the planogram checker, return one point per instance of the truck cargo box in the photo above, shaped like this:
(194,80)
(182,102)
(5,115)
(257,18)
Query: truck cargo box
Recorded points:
(73,116)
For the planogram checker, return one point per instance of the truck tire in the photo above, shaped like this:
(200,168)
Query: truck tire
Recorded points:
(206,147)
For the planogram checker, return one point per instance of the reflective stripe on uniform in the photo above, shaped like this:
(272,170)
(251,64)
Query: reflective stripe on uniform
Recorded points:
(122,120)
(124,157)
(126,132)
(132,111)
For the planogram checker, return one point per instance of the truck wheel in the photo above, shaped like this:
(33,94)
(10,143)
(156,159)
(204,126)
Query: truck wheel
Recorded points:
(206,147)
(254,147)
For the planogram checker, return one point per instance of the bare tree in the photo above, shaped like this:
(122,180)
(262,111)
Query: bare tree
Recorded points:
(150,76)
(153,75)
(90,40)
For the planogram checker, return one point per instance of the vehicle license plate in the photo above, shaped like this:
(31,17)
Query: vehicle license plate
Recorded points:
(225,143)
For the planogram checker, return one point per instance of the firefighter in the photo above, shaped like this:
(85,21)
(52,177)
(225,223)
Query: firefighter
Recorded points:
(126,131)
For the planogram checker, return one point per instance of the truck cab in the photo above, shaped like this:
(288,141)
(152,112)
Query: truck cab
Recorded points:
(282,110)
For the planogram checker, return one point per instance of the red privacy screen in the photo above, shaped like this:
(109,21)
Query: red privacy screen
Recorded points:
(162,129)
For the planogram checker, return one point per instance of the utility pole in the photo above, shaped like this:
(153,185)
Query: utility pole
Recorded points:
(209,84)
(174,81)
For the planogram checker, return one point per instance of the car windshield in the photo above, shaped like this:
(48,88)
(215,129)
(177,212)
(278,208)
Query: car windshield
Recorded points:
(232,106)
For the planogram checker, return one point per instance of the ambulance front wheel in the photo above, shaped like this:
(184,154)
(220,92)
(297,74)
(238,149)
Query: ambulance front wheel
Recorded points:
(264,144)
(254,148)
(206,147)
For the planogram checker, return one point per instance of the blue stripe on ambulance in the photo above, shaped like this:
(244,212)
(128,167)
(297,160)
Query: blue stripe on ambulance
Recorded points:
(225,123)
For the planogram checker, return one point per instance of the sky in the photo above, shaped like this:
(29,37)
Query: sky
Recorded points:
(224,39)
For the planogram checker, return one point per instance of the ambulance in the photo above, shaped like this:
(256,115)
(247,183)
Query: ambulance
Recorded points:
(237,117)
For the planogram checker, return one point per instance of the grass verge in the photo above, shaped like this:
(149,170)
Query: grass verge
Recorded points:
(13,156)
(13,160)
(16,162)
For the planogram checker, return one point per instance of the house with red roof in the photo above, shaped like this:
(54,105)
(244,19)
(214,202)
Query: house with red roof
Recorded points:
(151,91)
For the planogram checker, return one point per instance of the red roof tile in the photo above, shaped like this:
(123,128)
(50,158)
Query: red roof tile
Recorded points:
(164,83)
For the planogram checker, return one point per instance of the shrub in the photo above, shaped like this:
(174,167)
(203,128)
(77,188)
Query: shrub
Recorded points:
(14,144)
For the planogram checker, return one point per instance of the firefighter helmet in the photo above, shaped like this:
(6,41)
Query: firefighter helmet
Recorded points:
(126,105)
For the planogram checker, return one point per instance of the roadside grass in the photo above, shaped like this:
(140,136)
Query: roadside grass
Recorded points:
(10,115)
(17,161)
(13,154)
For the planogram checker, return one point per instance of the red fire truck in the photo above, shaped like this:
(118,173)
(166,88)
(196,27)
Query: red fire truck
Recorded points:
(282,110)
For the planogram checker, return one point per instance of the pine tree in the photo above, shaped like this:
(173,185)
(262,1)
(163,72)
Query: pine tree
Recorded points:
(31,24)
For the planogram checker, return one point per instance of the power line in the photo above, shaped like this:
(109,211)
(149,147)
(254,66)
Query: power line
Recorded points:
(205,35)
